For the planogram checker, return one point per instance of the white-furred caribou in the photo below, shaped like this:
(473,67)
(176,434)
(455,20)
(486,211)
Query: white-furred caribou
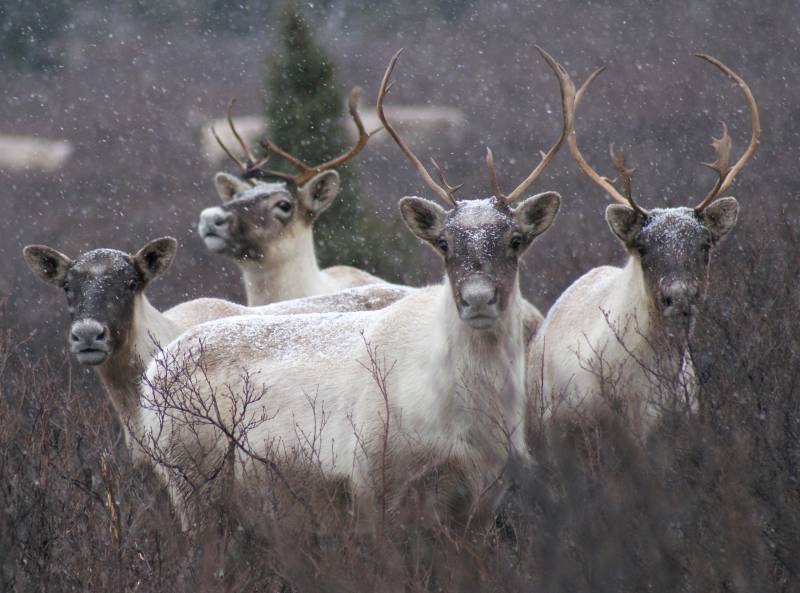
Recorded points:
(266,221)
(620,336)
(431,385)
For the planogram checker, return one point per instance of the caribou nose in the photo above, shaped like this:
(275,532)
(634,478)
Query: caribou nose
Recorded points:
(214,218)
(679,298)
(87,332)
(478,302)
(478,295)
(89,341)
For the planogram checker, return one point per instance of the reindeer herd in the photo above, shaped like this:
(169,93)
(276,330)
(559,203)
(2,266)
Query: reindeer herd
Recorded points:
(439,380)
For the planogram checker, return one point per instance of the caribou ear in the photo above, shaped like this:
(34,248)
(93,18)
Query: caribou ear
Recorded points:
(47,263)
(423,217)
(155,257)
(229,185)
(720,217)
(624,222)
(535,215)
(319,191)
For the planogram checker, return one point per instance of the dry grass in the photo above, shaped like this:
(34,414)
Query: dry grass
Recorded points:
(707,503)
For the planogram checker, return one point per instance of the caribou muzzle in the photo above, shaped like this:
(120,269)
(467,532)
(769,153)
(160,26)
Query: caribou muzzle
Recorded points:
(214,228)
(478,302)
(679,300)
(89,341)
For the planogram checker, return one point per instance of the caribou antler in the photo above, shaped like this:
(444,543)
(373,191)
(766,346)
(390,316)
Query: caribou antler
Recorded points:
(722,146)
(306,171)
(254,168)
(250,161)
(451,189)
(571,101)
(500,196)
(251,167)
(444,191)
(625,174)
(546,156)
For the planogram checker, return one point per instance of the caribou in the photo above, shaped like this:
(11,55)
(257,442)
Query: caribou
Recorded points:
(265,223)
(620,336)
(115,329)
(432,385)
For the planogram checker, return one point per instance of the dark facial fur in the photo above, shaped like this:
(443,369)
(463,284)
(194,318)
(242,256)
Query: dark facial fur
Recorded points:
(101,287)
(481,242)
(674,248)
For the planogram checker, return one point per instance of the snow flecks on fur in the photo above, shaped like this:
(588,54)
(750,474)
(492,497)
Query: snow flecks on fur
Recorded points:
(366,298)
(99,261)
(670,228)
(262,188)
(310,336)
(477,213)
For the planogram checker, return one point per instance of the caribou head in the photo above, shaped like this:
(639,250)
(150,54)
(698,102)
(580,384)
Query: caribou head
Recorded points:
(673,245)
(480,240)
(101,287)
(260,206)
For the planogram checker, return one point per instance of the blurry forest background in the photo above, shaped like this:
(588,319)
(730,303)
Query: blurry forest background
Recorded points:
(131,84)
(130,87)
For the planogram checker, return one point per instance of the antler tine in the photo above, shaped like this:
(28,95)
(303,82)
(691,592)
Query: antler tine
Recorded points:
(443,194)
(361,141)
(256,170)
(251,168)
(261,162)
(270,146)
(625,174)
(571,99)
(231,156)
(586,84)
(248,154)
(451,189)
(567,98)
(306,171)
(719,145)
(493,177)
(722,148)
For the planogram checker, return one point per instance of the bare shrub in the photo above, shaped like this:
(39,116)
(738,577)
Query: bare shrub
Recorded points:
(707,501)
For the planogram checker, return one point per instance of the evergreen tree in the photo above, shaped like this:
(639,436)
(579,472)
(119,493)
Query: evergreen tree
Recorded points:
(305,109)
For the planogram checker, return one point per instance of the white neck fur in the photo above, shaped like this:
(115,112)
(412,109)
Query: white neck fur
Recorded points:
(120,374)
(629,305)
(632,314)
(486,367)
(288,270)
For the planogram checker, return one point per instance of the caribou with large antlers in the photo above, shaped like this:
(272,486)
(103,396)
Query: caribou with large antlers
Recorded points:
(623,332)
(266,220)
(449,396)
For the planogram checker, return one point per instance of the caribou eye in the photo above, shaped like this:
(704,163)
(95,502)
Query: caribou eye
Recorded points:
(515,243)
(641,249)
(133,284)
(284,205)
(442,245)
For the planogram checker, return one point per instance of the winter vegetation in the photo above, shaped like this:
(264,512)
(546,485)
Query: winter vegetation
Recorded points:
(346,372)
